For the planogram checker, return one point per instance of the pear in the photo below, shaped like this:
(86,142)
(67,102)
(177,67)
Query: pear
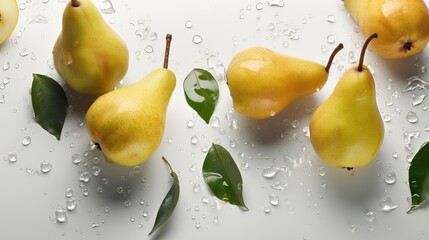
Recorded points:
(347,130)
(263,83)
(402,25)
(88,54)
(8,18)
(128,123)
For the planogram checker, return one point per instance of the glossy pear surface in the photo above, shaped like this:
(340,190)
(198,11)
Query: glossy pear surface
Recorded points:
(263,83)
(402,25)
(8,18)
(128,123)
(347,129)
(88,54)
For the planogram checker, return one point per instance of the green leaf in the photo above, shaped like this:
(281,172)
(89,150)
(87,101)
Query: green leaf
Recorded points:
(49,104)
(223,177)
(418,177)
(169,202)
(202,92)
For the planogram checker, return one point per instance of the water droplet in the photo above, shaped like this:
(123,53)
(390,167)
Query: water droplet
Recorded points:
(370,216)
(69,192)
(408,136)
(190,123)
(416,82)
(119,190)
(188,24)
(71,204)
(140,225)
(244,165)
(295,124)
(275,3)
(395,155)
(153,36)
(267,209)
(127,204)
(418,99)
(412,117)
(96,171)
(12,157)
(61,215)
(352,57)
(274,199)
(194,140)
(285,44)
(107,7)
(352,228)
(322,171)
(6,66)
(95,225)
(386,204)
(85,192)
(215,219)
(148,49)
(409,157)
(169,140)
(387,118)
(390,178)
(330,38)
(271,26)
(45,167)
(270,172)
(330,18)
(197,224)
(26,141)
(76,158)
(214,122)
(84,177)
(197,39)
(196,187)
(232,143)
(259,6)
(205,199)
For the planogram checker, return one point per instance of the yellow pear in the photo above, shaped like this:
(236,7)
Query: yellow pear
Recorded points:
(402,25)
(263,83)
(347,129)
(8,18)
(128,123)
(88,54)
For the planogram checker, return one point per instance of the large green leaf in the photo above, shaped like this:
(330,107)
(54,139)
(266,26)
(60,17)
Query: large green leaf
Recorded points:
(418,177)
(223,177)
(169,202)
(49,104)
(202,92)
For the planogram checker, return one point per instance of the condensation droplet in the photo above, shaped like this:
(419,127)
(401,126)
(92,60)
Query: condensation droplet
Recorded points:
(386,204)
(148,49)
(188,24)
(84,177)
(412,117)
(71,204)
(196,187)
(352,57)
(12,157)
(26,141)
(61,215)
(214,122)
(45,167)
(322,171)
(259,6)
(275,3)
(390,178)
(270,172)
(274,199)
(194,140)
(190,123)
(330,38)
(330,18)
(370,216)
(197,39)
(107,7)
(267,209)
(418,99)
(69,192)
(76,158)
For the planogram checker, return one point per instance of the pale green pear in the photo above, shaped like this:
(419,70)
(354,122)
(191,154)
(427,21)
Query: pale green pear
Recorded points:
(8,18)
(263,83)
(88,54)
(128,123)
(347,129)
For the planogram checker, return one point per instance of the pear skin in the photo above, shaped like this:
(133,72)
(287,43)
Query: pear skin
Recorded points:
(347,129)
(128,123)
(9,14)
(402,25)
(263,83)
(88,54)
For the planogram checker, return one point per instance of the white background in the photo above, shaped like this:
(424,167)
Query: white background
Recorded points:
(312,205)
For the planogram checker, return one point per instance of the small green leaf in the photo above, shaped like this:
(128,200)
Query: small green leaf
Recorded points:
(418,177)
(49,104)
(169,202)
(202,92)
(223,177)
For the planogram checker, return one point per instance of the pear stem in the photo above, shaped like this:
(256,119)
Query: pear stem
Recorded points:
(364,47)
(331,58)
(75,3)
(167,50)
